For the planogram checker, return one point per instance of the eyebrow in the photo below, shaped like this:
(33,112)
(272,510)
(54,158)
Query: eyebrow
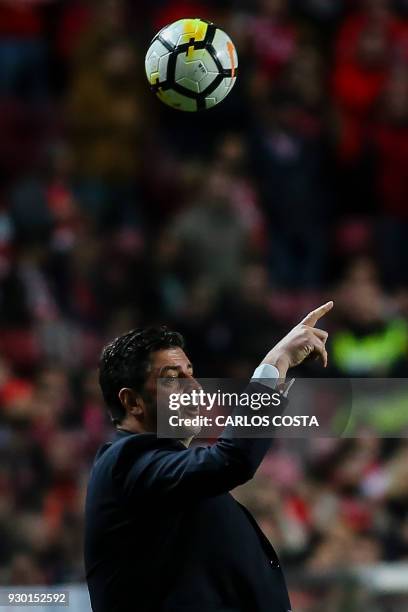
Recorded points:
(173,367)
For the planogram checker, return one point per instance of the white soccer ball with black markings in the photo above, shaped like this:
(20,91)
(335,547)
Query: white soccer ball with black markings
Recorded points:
(191,65)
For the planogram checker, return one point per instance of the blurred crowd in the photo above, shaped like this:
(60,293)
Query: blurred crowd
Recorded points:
(117,212)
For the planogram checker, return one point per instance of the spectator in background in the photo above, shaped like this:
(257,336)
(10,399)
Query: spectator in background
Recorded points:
(247,319)
(273,36)
(23,51)
(74,21)
(390,143)
(105,116)
(370,341)
(231,156)
(288,160)
(209,238)
(367,43)
(43,204)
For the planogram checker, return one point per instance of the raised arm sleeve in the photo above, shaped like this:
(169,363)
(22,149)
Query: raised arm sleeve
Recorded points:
(196,472)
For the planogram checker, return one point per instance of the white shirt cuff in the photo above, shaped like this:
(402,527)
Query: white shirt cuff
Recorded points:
(268,374)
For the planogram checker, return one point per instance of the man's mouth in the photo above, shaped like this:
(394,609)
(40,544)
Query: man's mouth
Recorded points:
(191,411)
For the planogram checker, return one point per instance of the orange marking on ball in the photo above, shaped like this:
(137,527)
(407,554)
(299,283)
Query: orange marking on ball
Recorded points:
(231,50)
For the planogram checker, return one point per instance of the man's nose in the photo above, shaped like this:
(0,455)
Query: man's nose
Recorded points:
(191,384)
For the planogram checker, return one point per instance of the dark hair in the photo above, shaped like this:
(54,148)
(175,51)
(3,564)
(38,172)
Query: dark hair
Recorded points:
(124,363)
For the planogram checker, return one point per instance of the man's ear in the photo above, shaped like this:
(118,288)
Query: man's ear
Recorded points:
(131,401)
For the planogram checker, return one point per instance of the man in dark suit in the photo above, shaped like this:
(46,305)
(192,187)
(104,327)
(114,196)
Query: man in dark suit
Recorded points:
(162,533)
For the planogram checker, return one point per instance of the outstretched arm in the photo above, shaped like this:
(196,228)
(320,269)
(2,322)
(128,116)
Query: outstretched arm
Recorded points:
(206,471)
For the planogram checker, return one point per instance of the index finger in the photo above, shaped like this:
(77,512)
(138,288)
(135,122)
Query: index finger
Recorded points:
(312,318)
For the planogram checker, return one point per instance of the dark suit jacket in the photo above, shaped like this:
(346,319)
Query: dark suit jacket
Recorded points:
(164,535)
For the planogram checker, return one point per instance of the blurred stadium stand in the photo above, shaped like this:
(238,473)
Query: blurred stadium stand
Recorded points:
(117,212)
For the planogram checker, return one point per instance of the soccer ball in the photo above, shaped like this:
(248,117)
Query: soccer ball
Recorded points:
(191,65)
